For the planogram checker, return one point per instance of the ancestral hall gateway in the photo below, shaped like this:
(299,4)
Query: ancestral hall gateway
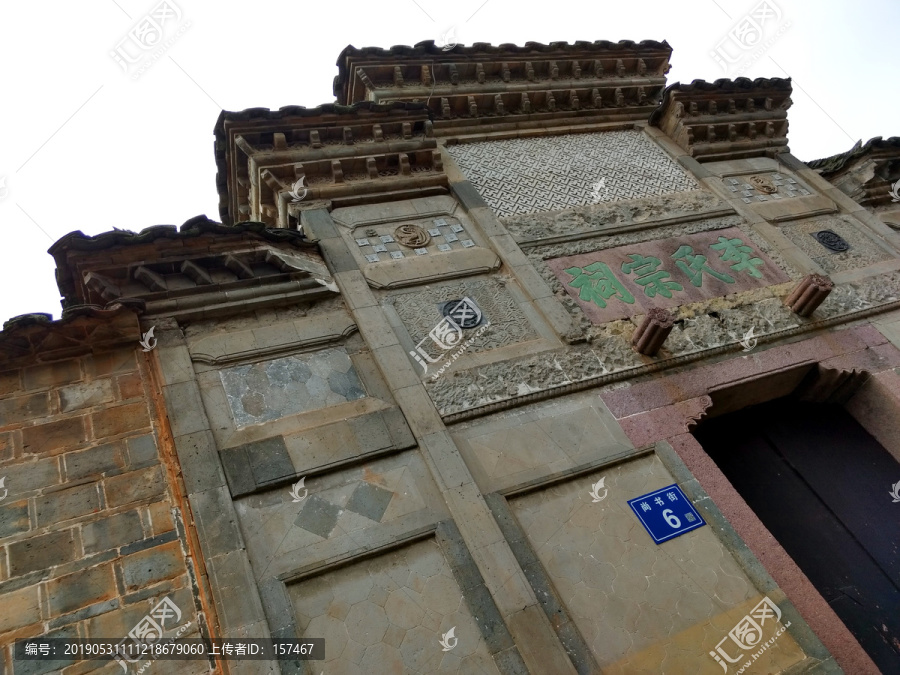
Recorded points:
(510,360)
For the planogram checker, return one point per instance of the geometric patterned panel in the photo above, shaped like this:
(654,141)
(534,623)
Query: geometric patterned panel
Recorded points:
(525,175)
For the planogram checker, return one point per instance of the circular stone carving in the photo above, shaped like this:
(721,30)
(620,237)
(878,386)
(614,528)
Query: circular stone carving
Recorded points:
(412,236)
(832,241)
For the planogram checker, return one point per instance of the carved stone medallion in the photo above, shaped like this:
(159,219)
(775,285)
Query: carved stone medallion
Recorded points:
(832,241)
(412,236)
(763,184)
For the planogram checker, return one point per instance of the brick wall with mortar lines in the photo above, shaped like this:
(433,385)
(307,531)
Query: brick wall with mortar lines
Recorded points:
(91,536)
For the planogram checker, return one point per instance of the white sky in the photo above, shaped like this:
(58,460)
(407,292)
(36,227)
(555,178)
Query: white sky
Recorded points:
(83,147)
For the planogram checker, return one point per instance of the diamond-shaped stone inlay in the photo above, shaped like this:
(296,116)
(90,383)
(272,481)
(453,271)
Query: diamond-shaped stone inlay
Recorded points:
(525,175)
(370,501)
(318,516)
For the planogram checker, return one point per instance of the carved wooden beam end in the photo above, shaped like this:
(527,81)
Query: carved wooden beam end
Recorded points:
(650,335)
(809,294)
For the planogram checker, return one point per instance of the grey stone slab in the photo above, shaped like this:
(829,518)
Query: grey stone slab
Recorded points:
(216,522)
(317,224)
(236,465)
(142,451)
(14,519)
(112,532)
(84,613)
(41,666)
(401,435)
(695,167)
(42,552)
(510,662)
(338,256)
(277,606)
(464,568)
(144,544)
(467,195)
(269,460)
(199,461)
(235,593)
(185,408)
(371,432)
(318,516)
(370,501)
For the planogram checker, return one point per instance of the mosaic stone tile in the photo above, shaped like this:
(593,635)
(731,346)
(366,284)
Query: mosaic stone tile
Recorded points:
(270,390)
(525,175)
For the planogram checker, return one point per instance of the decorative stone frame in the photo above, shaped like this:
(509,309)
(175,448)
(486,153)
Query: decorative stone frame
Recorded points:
(854,367)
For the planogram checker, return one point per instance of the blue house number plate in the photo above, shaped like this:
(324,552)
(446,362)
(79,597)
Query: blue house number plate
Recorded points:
(666,513)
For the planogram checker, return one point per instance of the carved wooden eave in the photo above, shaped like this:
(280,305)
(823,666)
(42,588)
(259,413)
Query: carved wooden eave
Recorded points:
(727,119)
(202,269)
(31,338)
(333,152)
(482,87)
(866,173)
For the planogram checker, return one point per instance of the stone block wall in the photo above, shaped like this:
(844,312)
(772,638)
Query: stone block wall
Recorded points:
(92,534)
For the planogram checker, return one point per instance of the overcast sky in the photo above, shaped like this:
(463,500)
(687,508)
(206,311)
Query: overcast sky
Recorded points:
(86,145)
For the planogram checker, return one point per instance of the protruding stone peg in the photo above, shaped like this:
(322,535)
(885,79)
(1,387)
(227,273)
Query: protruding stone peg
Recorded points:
(426,76)
(406,128)
(405,169)
(314,140)
(573,99)
(710,134)
(620,68)
(371,167)
(551,101)
(473,107)
(526,103)
(809,294)
(554,70)
(437,161)
(348,136)
(751,105)
(576,70)
(454,74)
(377,133)
(641,67)
(596,98)
(620,97)
(504,71)
(713,108)
(598,68)
(445,107)
(479,73)
(650,335)
(398,76)
(529,70)
(337,171)
(498,105)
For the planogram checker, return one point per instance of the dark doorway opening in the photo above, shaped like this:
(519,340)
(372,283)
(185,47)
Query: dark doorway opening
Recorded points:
(821,485)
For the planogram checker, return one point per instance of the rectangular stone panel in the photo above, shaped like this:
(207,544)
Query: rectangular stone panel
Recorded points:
(270,390)
(388,614)
(640,607)
(628,280)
